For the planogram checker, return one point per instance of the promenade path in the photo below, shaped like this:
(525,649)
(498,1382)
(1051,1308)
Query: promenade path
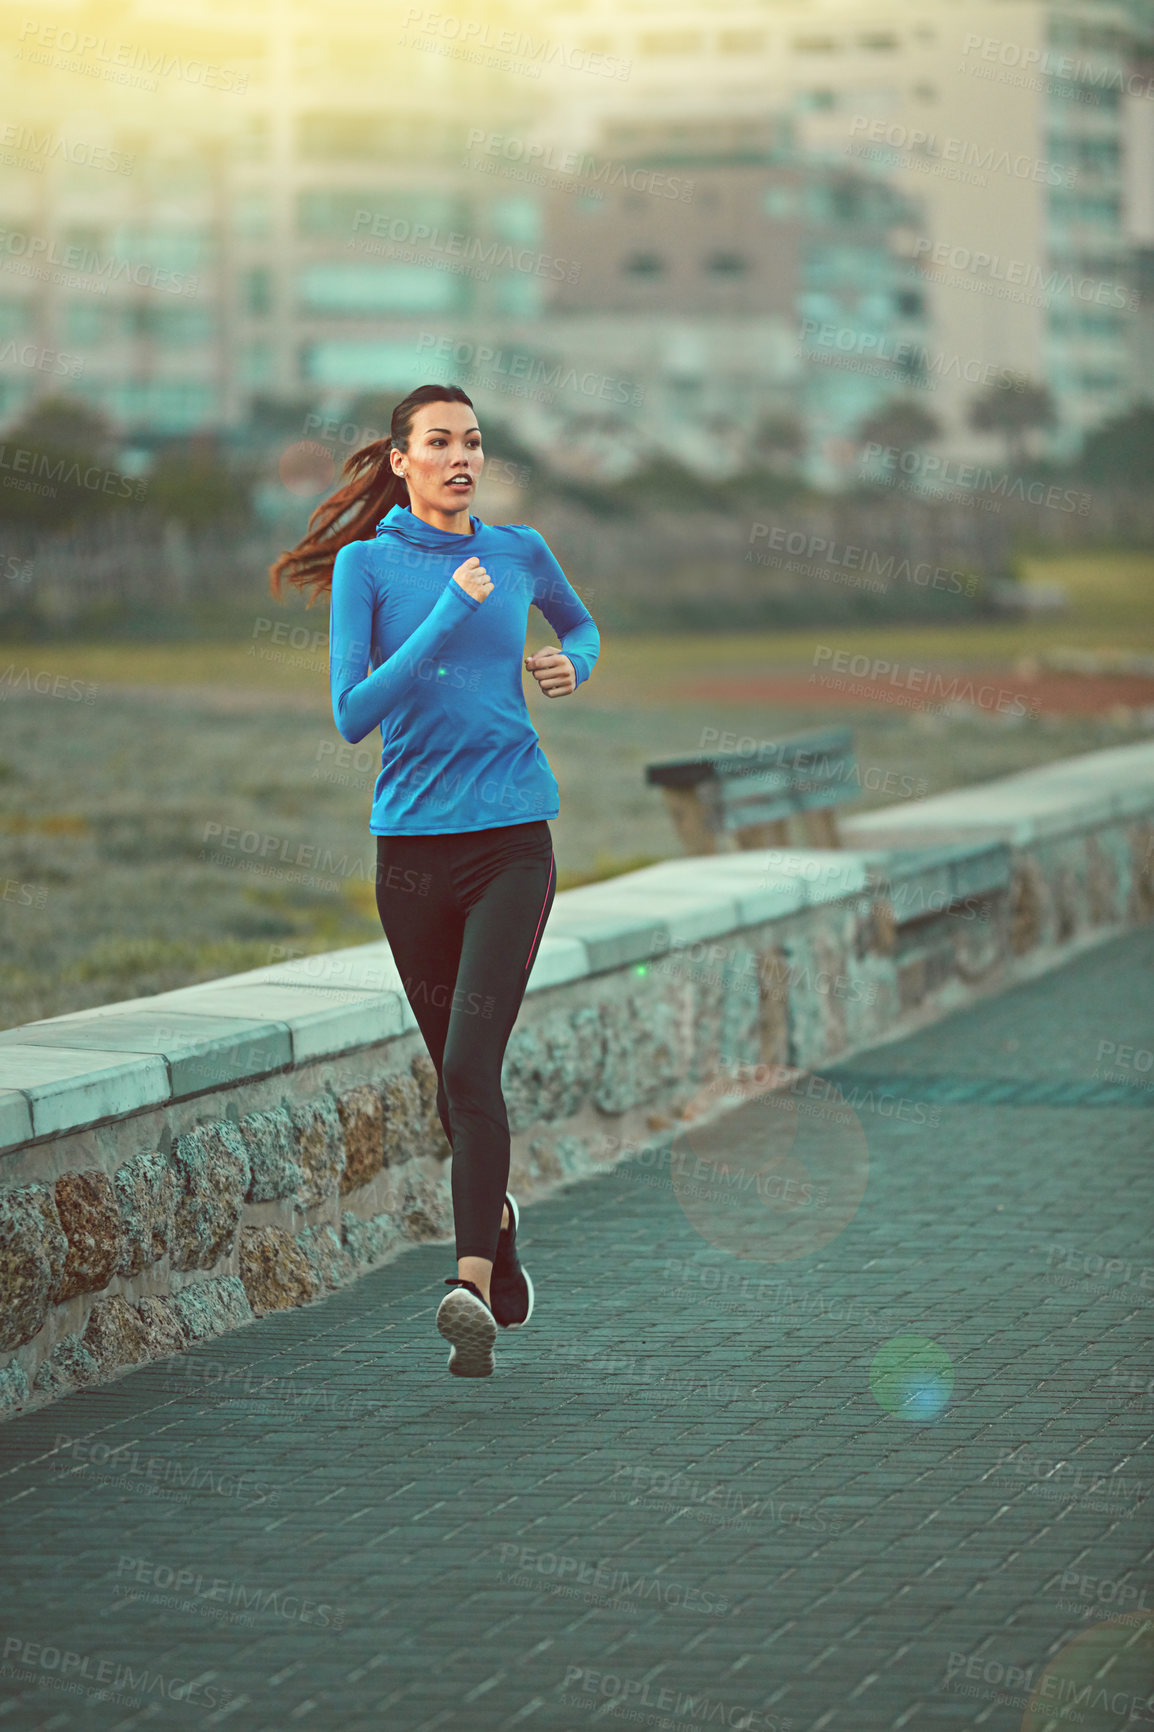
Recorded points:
(701,1489)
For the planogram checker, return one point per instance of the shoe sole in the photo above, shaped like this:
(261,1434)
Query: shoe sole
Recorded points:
(515,1217)
(471,1329)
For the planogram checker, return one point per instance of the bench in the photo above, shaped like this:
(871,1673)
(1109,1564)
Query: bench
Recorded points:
(753,796)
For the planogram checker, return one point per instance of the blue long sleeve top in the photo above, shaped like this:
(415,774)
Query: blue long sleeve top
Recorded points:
(439,672)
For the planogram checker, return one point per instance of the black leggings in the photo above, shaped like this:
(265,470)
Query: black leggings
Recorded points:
(464,914)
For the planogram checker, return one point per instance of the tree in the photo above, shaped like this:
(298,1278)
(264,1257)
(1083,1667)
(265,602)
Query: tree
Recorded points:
(1013,410)
(371,414)
(62,466)
(68,424)
(900,423)
(192,482)
(779,443)
(275,422)
(1121,451)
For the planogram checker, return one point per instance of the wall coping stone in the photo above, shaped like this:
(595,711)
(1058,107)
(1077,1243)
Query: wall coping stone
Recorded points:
(68,1072)
(1043,804)
(15,1118)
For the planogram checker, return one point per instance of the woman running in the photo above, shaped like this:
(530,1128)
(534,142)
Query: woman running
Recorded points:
(426,638)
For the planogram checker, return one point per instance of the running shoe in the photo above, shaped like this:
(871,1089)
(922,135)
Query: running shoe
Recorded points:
(510,1289)
(465,1321)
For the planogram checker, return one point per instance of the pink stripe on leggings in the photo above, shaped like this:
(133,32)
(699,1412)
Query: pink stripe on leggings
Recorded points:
(541,916)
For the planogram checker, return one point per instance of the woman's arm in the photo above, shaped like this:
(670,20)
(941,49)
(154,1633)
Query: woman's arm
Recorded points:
(360,701)
(556,598)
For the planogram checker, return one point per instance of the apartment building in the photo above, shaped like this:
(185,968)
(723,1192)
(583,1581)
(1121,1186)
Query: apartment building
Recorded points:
(201,204)
(206,204)
(715,250)
(1138,202)
(1012,122)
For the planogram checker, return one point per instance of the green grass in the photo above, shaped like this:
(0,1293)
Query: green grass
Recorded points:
(105,807)
(1112,597)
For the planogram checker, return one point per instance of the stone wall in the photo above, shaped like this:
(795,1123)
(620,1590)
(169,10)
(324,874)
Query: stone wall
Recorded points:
(174,1166)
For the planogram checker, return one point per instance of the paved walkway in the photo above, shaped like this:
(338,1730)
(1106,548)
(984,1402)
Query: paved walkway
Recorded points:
(701,1490)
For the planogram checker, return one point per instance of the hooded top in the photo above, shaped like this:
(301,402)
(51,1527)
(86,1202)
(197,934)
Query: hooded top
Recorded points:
(439,672)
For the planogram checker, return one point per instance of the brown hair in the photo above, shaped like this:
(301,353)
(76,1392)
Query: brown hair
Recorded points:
(370,491)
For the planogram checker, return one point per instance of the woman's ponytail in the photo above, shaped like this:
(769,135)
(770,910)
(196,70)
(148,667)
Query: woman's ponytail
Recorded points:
(353,512)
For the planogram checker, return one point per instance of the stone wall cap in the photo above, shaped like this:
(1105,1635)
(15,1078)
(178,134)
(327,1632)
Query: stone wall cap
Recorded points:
(67,1087)
(557,961)
(1048,801)
(793,878)
(356,968)
(201,1050)
(320,1020)
(167,1030)
(341,1000)
(15,1118)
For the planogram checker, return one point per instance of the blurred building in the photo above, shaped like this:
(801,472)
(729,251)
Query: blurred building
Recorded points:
(715,254)
(1012,121)
(202,204)
(207,205)
(1139,205)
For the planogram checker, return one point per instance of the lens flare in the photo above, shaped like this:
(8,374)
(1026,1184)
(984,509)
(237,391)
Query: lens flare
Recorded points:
(912,1376)
(1101,1681)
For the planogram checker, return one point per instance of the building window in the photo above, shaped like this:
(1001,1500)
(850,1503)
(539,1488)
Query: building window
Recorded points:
(878,40)
(166,405)
(256,363)
(1087,322)
(349,56)
(182,327)
(780,202)
(13,393)
(258,290)
(1070,208)
(251,143)
(814,45)
(520,296)
(163,249)
(723,264)
(392,365)
(252,213)
(179,176)
(331,137)
(741,41)
(88,324)
(643,265)
(14,316)
(672,42)
(331,213)
(83,235)
(360,291)
(1096,158)
(517,220)
(374,137)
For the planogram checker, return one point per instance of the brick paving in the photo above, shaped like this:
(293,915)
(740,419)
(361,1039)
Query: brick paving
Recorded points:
(680,1501)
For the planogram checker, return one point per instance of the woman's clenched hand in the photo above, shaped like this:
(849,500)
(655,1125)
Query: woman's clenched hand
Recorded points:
(553,672)
(473,578)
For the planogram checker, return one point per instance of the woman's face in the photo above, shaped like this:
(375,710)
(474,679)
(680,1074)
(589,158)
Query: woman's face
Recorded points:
(444,461)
